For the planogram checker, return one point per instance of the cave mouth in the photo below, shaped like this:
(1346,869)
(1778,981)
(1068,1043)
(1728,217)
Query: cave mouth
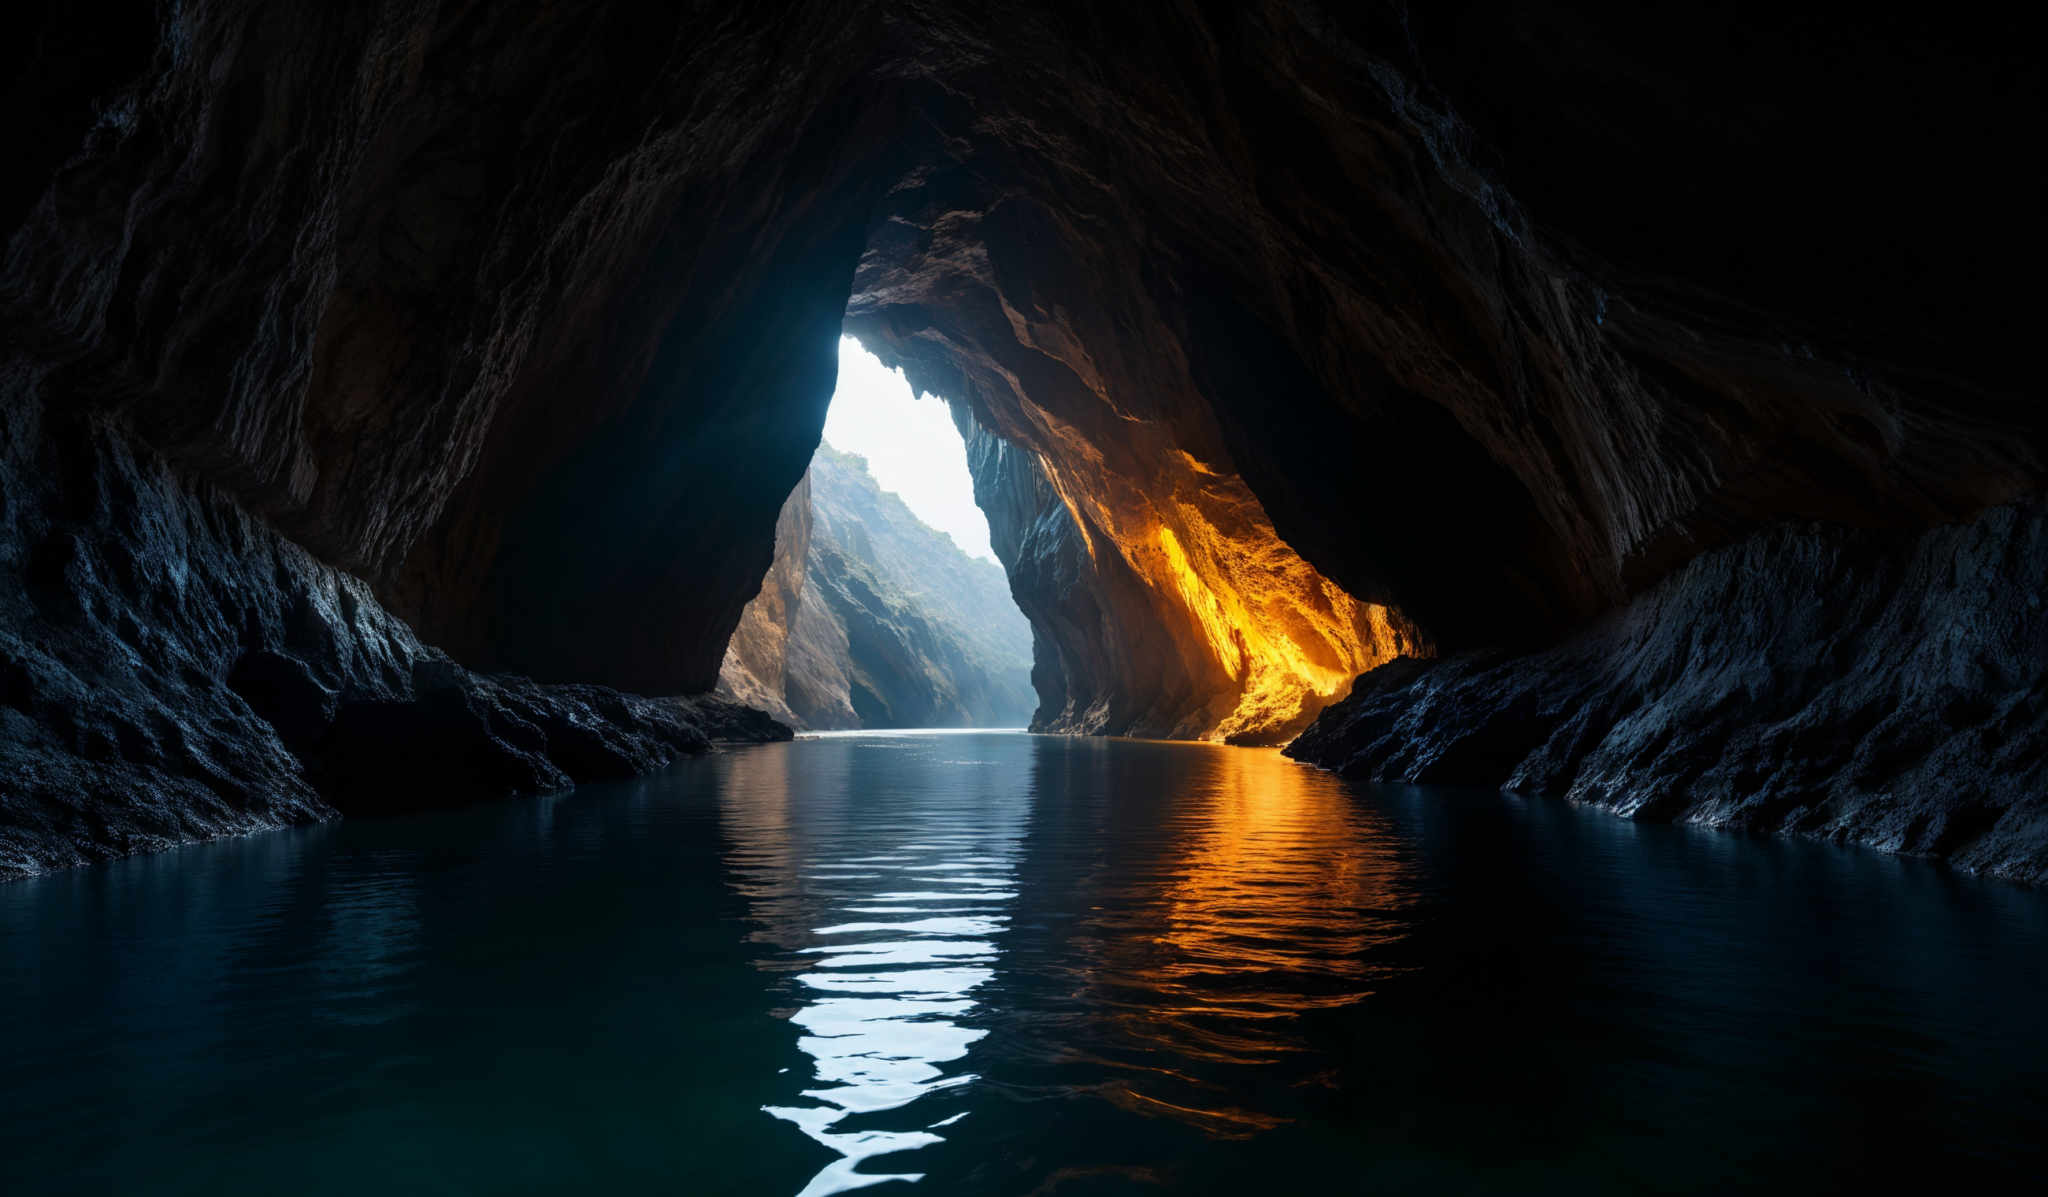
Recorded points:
(1162,601)
(884,605)
(912,447)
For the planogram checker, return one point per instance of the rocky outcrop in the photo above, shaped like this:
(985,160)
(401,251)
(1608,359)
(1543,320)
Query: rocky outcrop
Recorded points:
(173,670)
(1239,289)
(1335,331)
(1241,641)
(756,666)
(526,314)
(870,618)
(1808,680)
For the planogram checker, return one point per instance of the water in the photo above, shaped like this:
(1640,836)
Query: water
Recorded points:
(1012,964)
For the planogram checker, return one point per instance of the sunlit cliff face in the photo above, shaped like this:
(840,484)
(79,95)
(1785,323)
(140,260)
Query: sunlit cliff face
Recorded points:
(1284,641)
(1164,600)
(1199,621)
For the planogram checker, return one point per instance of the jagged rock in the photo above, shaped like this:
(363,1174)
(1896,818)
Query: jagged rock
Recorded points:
(756,667)
(1242,642)
(1808,680)
(173,670)
(889,623)
(1489,318)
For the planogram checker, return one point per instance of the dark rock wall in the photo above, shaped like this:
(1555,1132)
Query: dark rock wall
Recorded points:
(1856,175)
(1336,331)
(525,312)
(171,669)
(1246,246)
(1813,680)
(888,624)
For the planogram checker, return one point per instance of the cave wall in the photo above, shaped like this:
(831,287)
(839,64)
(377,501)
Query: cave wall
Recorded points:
(1239,640)
(523,312)
(1488,318)
(1243,247)
(1242,276)
(172,669)
(1822,681)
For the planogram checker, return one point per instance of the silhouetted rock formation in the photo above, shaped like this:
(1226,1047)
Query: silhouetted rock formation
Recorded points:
(526,315)
(870,618)
(1810,680)
(171,670)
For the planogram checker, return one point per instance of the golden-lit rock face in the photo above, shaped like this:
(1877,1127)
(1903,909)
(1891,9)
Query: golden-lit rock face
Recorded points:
(1273,640)
(1291,639)
(1165,601)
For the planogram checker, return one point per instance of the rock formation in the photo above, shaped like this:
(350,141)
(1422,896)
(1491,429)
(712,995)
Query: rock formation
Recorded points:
(869,618)
(755,671)
(1218,631)
(1504,322)
(171,669)
(1810,680)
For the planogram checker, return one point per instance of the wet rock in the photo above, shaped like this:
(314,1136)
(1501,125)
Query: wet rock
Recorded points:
(1809,680)
(172,670)
(1331,332)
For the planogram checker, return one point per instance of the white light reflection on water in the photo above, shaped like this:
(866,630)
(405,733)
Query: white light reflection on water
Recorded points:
(887,914)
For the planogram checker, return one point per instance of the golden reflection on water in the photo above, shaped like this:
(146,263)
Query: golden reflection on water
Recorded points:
(1277,893)
(1142,924)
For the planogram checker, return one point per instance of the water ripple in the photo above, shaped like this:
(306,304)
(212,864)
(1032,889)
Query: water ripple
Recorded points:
(1190,946)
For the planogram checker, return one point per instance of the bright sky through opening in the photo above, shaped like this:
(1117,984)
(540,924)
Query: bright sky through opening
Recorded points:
(910,443)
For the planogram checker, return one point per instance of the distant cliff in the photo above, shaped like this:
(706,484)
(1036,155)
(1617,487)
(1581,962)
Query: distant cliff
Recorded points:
(869,618)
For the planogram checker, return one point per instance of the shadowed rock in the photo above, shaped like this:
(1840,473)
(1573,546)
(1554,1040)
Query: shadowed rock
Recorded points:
(1812,681)
(1332,332)
(173,670)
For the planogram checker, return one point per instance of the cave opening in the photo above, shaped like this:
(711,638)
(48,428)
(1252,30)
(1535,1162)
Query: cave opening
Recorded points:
(1526,414)
(885,605)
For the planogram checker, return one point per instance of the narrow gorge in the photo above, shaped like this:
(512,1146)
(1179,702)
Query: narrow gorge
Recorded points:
(868,618)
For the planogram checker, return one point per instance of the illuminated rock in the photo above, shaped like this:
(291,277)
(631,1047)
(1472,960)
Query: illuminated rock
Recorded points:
(526,315)
(870,618)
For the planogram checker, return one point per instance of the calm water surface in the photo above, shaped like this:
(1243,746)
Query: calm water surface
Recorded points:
(968,964)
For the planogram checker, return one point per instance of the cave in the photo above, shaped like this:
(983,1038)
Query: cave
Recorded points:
(412,413)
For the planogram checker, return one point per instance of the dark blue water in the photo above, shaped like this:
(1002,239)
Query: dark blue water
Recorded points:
(1010,964)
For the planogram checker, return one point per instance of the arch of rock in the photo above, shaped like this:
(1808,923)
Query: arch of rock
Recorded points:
(1288,339)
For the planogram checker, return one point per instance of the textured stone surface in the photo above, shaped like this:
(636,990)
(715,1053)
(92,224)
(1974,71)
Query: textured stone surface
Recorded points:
(869,618)
(524,312)
(1241,641)
(1490,318)
(1807,680)
(173,670)
(756,663)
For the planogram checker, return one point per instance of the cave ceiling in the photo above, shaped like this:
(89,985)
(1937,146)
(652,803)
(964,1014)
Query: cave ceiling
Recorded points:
(1333,333)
